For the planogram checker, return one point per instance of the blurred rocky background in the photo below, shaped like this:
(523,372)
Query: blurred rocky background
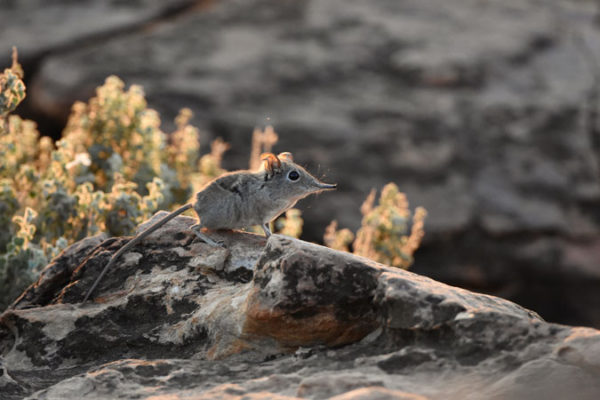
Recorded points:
(485,112)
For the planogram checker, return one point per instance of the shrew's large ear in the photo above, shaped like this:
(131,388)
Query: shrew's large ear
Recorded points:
(287,156)
(271,164)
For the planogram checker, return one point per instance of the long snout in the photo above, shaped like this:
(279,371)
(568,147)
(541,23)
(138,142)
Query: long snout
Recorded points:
(326,186)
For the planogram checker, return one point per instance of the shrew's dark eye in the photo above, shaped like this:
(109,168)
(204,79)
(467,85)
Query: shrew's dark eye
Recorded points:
(293,175)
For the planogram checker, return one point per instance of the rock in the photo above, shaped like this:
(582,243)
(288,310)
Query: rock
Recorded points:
(483,112)
(8,385)
(32,25)
(280,319)
(58,273)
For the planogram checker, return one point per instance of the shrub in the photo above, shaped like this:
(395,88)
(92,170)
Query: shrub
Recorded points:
(384,234)
(112,168)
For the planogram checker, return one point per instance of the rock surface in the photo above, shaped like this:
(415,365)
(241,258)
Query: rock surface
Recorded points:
(275,319)
(32,25)
(484,112)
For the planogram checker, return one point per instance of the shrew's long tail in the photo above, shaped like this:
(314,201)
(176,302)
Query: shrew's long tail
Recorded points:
(133,242)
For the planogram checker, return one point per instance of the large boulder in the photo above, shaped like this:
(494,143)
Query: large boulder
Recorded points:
(277,318)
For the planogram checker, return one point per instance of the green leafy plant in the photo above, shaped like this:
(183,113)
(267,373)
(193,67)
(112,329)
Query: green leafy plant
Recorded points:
(112,169)
(386,234)
(12,88)
(23,260)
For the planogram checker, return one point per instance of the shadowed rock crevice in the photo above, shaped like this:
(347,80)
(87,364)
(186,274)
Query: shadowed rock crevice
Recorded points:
(174,317)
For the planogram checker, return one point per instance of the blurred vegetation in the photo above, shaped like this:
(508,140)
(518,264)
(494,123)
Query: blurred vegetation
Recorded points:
(386,234)
(114,167)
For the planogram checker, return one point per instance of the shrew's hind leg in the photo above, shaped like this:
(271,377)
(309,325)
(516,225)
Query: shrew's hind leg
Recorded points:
(196,229)
(266,229)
